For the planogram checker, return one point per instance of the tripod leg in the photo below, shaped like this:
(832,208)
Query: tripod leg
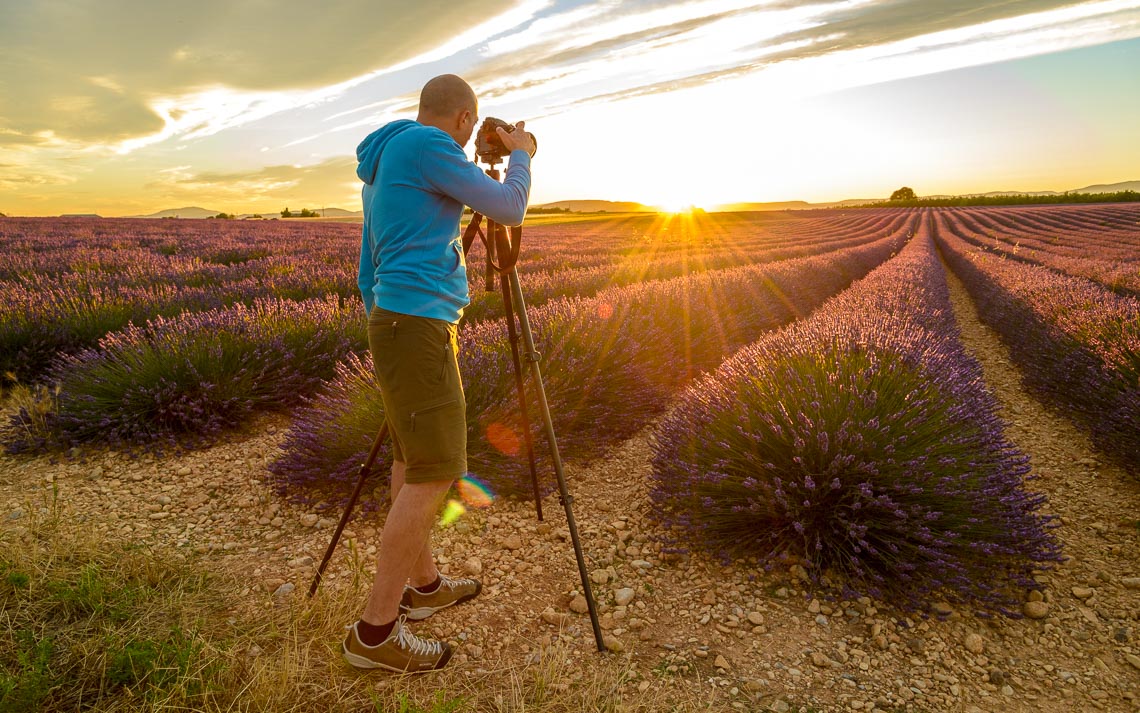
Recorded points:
(365,470)
(489,243)
(508,310)
(544,407)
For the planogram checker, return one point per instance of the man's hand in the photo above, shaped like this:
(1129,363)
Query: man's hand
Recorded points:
(518,139)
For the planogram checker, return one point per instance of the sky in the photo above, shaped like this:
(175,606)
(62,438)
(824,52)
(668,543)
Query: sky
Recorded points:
(126,107)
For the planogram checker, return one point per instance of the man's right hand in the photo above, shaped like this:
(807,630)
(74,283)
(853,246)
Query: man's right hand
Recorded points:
(518,139)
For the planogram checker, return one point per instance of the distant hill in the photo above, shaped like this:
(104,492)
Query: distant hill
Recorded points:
(339,213)
(327,213)
(1098,188)
(787,205)
(1110,187)
(771,205)
(189,212)
(595,206)
(197,212)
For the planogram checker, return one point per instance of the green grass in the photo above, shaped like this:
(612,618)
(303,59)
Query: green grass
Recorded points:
(84,626)
(95,624)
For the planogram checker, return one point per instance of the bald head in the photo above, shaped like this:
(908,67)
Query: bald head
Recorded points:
(445,96)
(448,103)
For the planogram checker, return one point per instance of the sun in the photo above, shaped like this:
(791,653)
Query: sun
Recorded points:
(676,207)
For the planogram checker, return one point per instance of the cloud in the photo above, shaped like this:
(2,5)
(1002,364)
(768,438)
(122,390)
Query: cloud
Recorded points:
(19,178)
(92,70)
(605,52)
(332,181)
(891,21)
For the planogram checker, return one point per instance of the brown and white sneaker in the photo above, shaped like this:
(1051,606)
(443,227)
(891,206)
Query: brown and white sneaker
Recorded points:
(402,651)
(416,605)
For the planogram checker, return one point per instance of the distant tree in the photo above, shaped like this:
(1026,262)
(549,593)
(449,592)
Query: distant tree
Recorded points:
(3,216)
(306,213)
(285,213)
(223,216)
(903,194)
(257,215)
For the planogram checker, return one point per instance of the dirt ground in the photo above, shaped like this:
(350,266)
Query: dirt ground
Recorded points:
(740,638)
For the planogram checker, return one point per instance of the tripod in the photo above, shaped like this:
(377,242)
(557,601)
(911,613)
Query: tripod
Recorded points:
(498,244)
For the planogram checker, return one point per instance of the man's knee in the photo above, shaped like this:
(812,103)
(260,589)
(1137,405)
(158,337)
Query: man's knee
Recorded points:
(431,489)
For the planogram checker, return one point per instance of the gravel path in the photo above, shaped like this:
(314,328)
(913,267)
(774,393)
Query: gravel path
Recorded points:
(732,636)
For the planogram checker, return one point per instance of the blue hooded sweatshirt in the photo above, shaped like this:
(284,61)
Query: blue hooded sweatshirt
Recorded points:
(416,181)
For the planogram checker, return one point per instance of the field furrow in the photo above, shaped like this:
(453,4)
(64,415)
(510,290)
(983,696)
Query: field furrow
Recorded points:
(1077,343)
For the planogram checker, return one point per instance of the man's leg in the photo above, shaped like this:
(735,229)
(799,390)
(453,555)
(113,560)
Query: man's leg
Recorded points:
(403,540)
(424,571)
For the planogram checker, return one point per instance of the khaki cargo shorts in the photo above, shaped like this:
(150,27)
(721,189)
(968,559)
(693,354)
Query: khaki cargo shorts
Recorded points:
(418,372)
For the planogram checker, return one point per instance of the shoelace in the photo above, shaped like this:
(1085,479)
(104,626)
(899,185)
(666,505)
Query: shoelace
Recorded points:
(445,581)
(418,646)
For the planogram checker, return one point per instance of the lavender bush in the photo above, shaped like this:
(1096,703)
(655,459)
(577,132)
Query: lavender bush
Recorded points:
(610,363)
(862,442)
(339,428)
(1077,344)
(183,380)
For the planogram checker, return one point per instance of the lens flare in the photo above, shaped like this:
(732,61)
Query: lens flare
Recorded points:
(452,512)
(474,492)
(605,310)
(503,439)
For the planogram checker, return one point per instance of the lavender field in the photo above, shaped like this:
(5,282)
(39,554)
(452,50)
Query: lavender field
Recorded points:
(810,390)
(859,459)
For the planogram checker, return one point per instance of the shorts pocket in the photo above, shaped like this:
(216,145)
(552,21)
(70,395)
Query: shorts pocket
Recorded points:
(422,412)
(435,433)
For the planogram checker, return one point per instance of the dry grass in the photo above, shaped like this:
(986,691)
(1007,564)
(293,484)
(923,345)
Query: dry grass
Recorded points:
(33,404)
(86,623)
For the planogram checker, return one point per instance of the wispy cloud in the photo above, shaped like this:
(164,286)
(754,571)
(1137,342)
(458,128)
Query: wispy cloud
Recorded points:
(326,181)
(199,69)
(605,52)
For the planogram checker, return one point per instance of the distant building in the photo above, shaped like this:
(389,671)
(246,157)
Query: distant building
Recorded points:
(80,215)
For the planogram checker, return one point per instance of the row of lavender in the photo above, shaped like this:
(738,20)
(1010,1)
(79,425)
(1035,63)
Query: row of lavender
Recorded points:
(862,443)
(1065,228)
(539,287)
(610,363)
(1085,244)
(65,290)
(1077,344)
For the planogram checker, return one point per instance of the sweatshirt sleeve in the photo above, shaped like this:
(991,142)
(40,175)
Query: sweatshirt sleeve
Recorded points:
(366,278)
(447,169)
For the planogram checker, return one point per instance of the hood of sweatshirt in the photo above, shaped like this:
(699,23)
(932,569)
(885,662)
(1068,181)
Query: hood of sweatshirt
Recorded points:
(369,150)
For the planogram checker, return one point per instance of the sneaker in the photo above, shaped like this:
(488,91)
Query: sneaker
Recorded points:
(417,605)
(402,651)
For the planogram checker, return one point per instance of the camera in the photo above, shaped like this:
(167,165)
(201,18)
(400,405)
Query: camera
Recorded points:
(489,147)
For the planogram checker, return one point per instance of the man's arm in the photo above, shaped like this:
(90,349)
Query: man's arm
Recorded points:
(448,170)
(366,278)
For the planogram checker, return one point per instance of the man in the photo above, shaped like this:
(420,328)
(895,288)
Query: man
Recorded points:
(413,279)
